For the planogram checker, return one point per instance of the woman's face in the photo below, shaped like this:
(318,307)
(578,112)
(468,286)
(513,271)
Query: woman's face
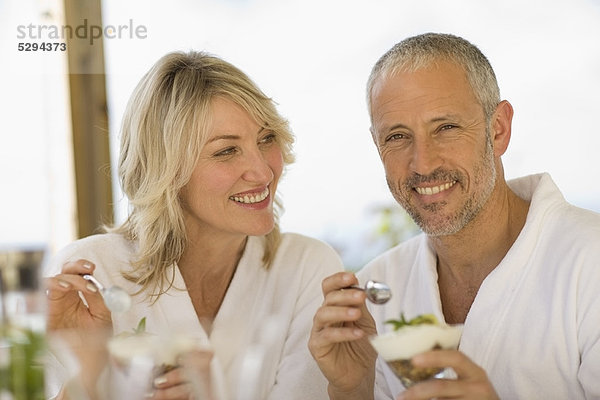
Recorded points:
(233,185)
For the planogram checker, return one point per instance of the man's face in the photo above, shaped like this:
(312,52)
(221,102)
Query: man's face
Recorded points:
(430,131)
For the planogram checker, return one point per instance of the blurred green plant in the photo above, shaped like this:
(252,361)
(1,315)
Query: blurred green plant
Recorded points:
(395,225)
(384,227)
(22,370)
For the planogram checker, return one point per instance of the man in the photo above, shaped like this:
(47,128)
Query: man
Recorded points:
(512,261)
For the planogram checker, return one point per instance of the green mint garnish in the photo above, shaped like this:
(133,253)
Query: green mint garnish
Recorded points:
(419,320)
(141,327)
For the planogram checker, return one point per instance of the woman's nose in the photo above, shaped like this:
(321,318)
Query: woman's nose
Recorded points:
(257,168)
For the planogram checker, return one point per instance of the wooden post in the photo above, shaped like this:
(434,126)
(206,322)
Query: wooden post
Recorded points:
(89,115)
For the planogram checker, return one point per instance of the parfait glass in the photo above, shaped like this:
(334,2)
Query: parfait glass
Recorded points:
(398,347)
(135,361)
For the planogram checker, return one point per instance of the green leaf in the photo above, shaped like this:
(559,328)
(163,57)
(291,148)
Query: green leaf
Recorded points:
(429,319)
(424,319)
(141,326)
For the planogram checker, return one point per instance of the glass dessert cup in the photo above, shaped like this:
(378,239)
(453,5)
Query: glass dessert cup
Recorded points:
(397,348)
(136,360)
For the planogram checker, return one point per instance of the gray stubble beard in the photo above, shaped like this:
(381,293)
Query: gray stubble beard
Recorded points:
(470,209)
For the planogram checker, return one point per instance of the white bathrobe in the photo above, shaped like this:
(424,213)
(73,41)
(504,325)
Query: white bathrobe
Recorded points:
(535,323)
(264,311)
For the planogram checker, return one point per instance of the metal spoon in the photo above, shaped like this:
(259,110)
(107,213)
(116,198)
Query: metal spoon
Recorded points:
(116,299)
(377,292)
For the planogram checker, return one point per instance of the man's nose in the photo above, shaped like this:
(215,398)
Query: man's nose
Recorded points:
(425,156)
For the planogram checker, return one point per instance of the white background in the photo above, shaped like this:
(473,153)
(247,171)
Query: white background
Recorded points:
(313,58)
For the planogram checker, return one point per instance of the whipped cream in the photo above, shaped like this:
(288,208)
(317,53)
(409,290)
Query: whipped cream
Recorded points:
(161,350)
(408,341)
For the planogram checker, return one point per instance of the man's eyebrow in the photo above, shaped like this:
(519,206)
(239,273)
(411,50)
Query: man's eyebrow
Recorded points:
(441,118)
(396,126)
(444,117)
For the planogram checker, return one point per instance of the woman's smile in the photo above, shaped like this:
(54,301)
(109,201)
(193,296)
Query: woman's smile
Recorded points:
(253,199)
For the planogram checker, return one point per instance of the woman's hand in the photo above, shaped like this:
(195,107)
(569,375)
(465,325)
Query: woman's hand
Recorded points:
(339,339)
(83,329)
(472,381)
(191,380)
(66,309)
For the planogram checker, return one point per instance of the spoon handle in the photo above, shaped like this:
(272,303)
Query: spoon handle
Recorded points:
(95,281)
(355,287)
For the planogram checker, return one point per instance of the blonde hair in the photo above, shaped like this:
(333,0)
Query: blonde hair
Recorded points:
(420,51)
(164,129)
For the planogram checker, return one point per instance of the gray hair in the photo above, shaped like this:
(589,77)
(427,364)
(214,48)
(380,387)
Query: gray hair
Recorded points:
(420,51)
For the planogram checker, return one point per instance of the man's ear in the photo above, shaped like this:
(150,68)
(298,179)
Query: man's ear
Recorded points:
(501,127)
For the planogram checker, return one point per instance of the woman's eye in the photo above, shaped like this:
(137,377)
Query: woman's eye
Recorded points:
(225,152)
(270,138)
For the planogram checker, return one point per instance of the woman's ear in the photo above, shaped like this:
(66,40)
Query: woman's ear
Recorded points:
(501,127)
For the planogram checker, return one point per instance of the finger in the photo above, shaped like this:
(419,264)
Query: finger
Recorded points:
(433,389)
(345,297)
(79,267)
(56,288)
(172,385)
(322,345)
(196,361)
(196,368)
(71,282)
(451,389)
(327,331)
(169,379)
(328,316)
(179,392)
(458,361)
(334,335)
(62,285)
(338,281)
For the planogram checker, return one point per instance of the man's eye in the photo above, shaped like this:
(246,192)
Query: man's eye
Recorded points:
(395,136)
(446,127)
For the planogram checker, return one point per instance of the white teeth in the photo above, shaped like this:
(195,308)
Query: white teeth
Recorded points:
(251,199)
(435,189)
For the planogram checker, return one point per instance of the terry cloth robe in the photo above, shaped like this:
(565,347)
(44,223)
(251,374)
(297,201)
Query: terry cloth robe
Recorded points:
(534,325)
(264,312)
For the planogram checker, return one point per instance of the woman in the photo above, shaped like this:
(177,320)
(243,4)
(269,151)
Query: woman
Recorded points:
(201,155)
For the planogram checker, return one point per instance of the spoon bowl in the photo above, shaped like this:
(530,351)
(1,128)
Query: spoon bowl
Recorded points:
(115,298)
(377,292)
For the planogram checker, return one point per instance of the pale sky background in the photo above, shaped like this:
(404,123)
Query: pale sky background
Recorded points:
(313,58)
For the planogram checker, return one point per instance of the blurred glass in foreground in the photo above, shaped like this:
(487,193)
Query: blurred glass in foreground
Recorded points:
(22,325)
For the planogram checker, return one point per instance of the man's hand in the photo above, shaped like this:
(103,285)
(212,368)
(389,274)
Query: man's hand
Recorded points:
(472,382)
(339,339)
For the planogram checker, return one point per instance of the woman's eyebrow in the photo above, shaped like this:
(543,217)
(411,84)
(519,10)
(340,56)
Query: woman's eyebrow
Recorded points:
(230,136)
(223,137)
